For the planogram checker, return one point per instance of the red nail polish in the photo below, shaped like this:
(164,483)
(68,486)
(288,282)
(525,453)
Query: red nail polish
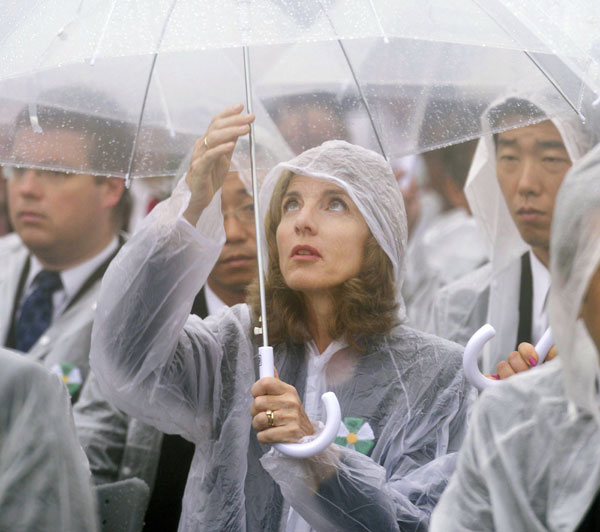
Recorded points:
(532,361)
(495,376)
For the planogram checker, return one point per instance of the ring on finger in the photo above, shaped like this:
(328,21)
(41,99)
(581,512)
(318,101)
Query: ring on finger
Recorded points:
(270,418)
(206,142)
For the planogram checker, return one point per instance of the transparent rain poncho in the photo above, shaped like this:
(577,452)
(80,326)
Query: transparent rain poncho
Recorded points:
(405,399)
(530,459)
(117,446)
(45,482)
(462,307)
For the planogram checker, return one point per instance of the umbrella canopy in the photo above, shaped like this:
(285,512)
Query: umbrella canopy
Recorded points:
(391,76)
(570,30)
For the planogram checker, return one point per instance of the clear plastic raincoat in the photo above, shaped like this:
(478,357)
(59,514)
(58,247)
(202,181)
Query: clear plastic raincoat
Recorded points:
(491,293)
(404,402)
(530,460)
(45,483)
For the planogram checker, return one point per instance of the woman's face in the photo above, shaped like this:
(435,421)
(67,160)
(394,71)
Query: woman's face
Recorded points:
(321,237)
(590,309)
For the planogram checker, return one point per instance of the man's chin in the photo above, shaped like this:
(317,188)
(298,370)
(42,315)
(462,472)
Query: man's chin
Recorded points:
(536,239)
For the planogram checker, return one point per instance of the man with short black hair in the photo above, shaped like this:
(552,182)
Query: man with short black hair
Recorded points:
(511,190)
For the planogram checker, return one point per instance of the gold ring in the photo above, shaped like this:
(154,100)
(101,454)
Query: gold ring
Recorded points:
(206,143)
(270,418)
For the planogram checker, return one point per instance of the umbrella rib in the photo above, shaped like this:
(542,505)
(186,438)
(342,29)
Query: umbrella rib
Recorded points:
(532,59)
(363,99)
(555,85)
(103,34)
(355,78)
(378,20)
(146,91)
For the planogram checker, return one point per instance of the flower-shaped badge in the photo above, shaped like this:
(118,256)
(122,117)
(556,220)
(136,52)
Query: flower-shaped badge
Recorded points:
(70,375)
(354,433)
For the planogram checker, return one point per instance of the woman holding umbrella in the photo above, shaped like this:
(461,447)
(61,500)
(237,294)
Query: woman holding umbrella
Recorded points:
(336,234)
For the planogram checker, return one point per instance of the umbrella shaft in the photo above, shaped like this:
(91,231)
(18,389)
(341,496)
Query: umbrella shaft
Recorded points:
(257,217)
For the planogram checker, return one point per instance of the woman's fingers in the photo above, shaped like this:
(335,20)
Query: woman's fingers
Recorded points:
(262,403)
(215,137)
(238,119)
(288,433)
(277,412)
(288,426)
(270,386)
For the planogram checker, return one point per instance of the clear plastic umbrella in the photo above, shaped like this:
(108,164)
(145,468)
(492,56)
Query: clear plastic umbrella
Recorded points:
(399,77)
(569,28)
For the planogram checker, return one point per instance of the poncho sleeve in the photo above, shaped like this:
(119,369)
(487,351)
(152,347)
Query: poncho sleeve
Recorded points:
(151,359)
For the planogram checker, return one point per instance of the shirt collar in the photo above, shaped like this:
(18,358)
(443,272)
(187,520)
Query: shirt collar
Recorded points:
(74,278)
(213,302)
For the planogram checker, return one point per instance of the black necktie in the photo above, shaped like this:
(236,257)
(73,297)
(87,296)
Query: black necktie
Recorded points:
(36,313)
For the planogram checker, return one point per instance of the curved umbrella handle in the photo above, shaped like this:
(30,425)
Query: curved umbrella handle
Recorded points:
(332,407)
(475,345)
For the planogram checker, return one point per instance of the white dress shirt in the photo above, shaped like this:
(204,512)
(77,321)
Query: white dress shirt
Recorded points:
(72,278)
(541,286)
(213,302)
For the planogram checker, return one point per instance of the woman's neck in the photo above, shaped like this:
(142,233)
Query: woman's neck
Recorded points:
(320,308)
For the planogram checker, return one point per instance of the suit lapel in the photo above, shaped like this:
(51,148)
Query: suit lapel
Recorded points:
(15,264)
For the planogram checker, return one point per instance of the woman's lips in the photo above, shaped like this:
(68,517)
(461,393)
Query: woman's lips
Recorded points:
(305,253)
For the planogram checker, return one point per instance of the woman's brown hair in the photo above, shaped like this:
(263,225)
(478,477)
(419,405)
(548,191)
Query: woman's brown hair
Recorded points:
(366,304)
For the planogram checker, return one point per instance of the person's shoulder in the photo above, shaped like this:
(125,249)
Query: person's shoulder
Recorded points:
(21,374)
(473,284)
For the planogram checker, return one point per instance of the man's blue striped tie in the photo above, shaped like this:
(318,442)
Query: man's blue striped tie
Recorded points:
(36,313)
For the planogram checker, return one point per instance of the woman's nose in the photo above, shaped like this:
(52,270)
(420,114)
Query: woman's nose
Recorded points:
(305,221)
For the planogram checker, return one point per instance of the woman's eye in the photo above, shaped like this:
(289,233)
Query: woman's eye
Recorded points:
(337,204)
(290,205)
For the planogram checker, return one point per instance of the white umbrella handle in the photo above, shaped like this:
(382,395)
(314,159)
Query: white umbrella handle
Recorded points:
(332,407)
(475,346)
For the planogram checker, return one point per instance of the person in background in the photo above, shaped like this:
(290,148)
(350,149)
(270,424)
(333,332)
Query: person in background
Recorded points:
(452,245)
(5,226)
(45,483)
(530,459)
(511,190)
(67,227)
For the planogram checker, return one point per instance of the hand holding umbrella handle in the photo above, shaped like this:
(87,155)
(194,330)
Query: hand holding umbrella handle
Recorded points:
(475,345)
(332,407)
